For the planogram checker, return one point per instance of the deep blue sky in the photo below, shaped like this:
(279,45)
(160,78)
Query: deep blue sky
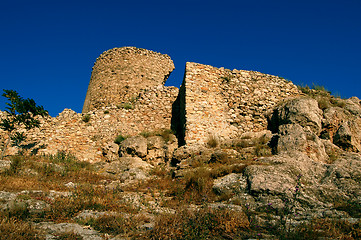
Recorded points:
(48,47)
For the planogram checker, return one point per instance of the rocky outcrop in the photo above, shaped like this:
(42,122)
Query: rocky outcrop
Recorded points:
(308,174)
(303,111)
(153,149)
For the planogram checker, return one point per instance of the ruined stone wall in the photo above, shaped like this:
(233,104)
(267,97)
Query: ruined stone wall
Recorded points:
(227,103)
(119,74)
(89,141)
(126,95)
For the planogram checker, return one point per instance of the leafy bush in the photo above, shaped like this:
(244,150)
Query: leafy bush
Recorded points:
(20,113)
(119,139)
(86,118)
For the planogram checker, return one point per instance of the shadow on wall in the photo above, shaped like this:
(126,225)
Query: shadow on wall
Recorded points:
(178,120)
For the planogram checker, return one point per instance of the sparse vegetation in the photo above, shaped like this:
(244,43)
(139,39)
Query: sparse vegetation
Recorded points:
(86,118)
(212,141)
(323,96)
(117,224)
(119,139)
(164,133)
(227,78)
(16,229)
(126,105)
(203,223)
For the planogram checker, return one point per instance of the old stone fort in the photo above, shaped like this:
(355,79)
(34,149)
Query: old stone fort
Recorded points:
(126,95)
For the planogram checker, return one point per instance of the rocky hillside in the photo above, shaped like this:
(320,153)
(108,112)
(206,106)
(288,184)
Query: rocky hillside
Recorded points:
(298,180)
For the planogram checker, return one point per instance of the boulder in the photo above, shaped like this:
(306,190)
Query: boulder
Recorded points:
(230,184)
(190,155)
(303,111)
(156,149)
(171,146)
(348,136)
(110,151)
(292,137)
(133,146)
(128,168)
(353,105)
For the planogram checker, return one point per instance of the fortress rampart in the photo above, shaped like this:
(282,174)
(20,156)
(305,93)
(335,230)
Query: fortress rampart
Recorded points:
(120,74)
(226,103)
(127,96)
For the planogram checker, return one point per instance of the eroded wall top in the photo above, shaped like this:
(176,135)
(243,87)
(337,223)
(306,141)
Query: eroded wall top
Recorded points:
(120,74)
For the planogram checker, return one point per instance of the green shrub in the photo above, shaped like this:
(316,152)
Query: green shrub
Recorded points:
(146,134)
(20,113)
(86,118)
(119,139)
(126,106)
(68,161)
(226,79)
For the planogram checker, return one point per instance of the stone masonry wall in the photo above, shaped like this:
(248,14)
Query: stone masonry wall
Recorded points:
(88,141)
(126,96)
(226,103)
(119,74)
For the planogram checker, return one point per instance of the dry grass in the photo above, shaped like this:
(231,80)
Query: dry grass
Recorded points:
(46,172)
(324,229)
(117,224)
(163,132)
(68,236)
(212,141)
(204,223)
(16,229)
(194,188)
(86,197)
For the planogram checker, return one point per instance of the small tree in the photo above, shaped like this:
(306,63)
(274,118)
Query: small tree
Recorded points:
(20,112)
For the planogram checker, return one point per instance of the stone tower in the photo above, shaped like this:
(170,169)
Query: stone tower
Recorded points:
(120,74)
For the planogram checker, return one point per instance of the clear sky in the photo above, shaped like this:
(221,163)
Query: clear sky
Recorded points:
(48,47)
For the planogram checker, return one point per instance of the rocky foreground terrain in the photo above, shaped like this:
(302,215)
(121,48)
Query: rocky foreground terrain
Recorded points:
(298,180)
